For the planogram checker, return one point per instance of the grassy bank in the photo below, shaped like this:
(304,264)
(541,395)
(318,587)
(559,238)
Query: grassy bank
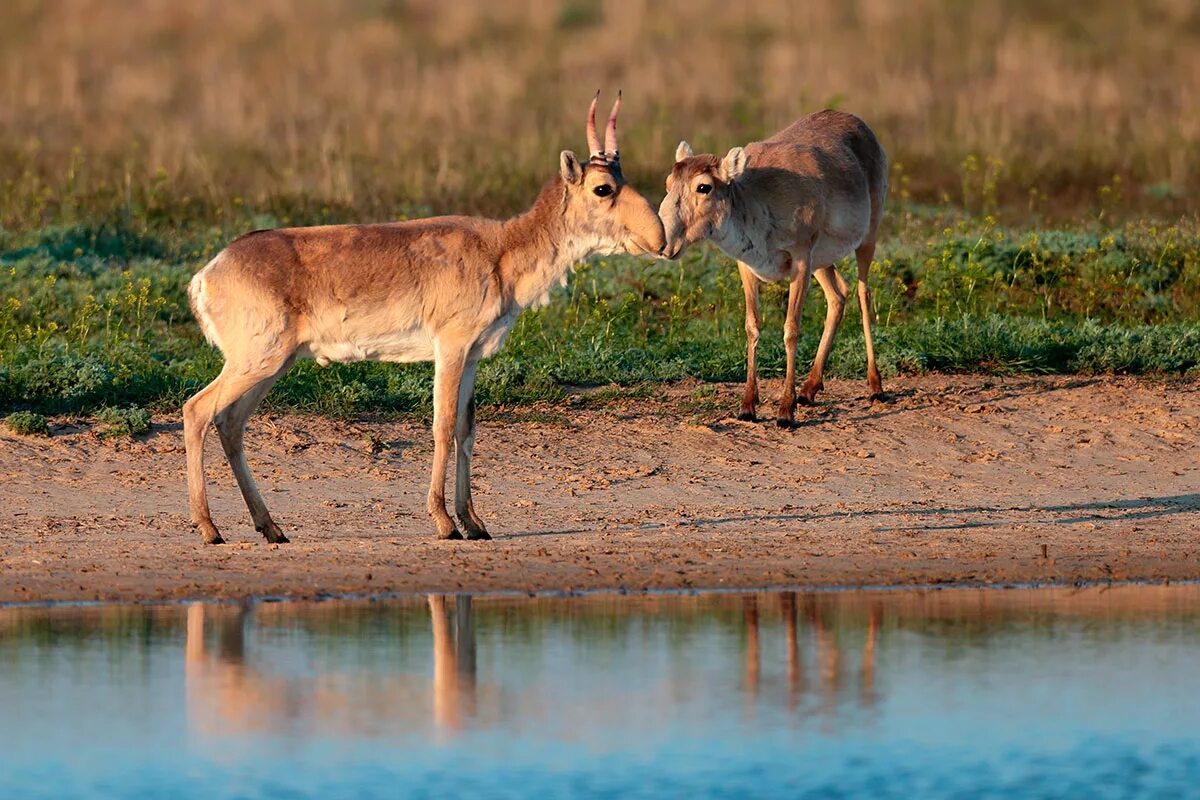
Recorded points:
(95,316)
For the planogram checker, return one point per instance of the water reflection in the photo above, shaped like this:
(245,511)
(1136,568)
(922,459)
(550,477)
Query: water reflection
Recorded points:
(827,647)
(227,693)
(230,690)
(453,662)
(872,693)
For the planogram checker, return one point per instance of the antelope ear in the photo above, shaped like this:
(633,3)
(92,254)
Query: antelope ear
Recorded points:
(733,164)
(684,150)
(569,167)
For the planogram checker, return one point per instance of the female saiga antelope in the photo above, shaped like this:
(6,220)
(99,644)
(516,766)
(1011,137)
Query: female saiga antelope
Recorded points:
(787,208)
(446,289)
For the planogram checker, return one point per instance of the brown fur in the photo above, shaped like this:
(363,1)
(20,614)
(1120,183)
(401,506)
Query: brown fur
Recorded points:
(788,208)
(445,289)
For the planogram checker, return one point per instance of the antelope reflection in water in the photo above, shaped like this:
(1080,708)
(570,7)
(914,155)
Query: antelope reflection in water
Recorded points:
(830,665)
(229,691)
(226,694)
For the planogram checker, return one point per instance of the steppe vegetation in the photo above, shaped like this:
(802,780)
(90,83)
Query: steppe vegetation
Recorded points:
(1044,158)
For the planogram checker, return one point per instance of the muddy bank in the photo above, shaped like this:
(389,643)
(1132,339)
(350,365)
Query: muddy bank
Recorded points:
(957,479)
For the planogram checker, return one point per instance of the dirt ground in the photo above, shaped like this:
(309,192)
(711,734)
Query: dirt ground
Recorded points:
(961,479)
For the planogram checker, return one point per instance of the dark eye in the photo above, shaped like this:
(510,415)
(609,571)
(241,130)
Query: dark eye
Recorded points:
(704,188)
(603,190)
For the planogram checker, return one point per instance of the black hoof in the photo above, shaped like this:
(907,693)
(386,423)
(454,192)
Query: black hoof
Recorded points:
(209,534)
(806,401)
(748,416)
(479,535)
(785,422)
(454,535)
(877,397)
(273,535)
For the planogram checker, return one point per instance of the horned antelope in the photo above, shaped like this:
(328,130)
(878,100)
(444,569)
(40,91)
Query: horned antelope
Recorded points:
(787,208)
(444,289)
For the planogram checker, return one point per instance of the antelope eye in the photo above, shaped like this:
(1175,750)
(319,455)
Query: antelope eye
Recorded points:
(704,188)
(603,190)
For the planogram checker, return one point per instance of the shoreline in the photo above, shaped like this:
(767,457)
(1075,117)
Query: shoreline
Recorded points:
(959,480)
(563,594)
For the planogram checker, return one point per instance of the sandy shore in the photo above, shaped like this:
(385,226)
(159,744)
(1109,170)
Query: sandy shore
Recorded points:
(959,479)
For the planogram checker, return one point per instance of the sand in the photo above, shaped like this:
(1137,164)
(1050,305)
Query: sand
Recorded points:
(957,479)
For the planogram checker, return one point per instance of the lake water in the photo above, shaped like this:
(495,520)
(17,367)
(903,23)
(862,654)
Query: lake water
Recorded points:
(960,693)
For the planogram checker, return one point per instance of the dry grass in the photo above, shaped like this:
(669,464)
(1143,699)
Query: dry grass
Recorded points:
(366,105)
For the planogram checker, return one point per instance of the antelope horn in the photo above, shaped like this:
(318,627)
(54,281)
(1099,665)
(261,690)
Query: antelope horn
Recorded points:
(610,133)
(592,139)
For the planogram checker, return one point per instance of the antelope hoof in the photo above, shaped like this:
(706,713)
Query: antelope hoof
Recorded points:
(209,533)
(787,409)
(451,534)
(877,397)
(747,416)
(808,393)
(272,534)
(473,527)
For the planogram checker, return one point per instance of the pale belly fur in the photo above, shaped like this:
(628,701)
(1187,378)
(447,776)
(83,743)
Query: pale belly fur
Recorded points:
(414,344)
(830,248)
(844,230)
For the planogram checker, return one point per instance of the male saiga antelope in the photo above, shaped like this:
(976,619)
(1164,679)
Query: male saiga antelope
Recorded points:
(787,208)
(446,289)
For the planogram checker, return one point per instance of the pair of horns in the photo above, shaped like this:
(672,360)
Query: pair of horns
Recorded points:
(609,152)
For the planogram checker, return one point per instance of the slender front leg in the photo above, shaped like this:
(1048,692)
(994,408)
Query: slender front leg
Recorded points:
(835,306)
(797,290)
(750,284)
(864,255)
(447,376)
(464,443)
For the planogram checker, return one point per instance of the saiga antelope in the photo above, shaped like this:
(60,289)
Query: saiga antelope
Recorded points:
(787,208)
(446,289)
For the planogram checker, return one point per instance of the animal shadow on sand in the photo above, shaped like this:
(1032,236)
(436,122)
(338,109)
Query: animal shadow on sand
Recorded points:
(1117,510)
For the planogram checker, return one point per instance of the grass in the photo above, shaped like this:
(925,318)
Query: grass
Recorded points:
(27,423)
(123,422)
(376,108)
(1039,217)
(96,317)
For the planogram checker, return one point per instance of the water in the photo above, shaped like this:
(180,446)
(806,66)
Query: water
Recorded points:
(956,693)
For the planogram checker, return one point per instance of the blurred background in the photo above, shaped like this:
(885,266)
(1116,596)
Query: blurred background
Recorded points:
(1045,157)
(374,107)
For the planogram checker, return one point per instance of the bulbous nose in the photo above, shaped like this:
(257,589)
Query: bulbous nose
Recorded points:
(658,242)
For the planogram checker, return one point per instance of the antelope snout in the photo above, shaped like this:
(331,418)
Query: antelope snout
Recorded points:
(636,247)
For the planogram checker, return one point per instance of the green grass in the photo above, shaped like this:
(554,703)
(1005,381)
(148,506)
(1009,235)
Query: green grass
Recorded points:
(123,422)
(27,423)
(95,316)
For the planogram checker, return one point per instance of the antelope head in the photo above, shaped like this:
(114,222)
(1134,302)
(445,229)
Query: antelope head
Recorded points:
(599,204)
(699,196)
